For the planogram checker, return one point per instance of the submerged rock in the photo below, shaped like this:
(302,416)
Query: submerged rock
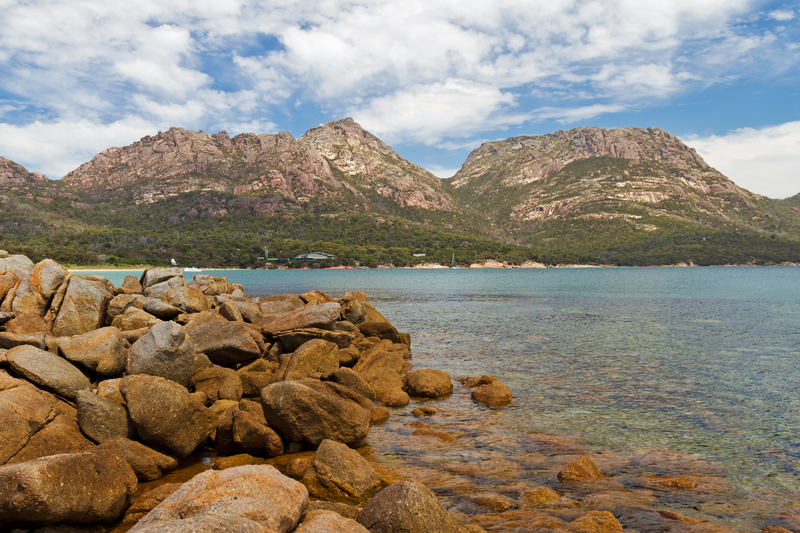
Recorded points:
(338,473)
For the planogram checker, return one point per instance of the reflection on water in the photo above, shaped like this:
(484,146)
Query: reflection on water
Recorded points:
(700,361)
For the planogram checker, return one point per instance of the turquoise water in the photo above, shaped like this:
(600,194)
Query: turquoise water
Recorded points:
(699,360)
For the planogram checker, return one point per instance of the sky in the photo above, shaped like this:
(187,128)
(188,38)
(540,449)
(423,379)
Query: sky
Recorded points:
(433,78)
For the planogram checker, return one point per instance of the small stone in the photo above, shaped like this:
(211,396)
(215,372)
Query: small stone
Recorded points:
(582,469)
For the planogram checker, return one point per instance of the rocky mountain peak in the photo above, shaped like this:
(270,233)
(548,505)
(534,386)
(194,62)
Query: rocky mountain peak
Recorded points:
(13,174)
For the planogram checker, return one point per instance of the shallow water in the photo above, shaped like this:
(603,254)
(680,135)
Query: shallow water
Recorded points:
(697,361)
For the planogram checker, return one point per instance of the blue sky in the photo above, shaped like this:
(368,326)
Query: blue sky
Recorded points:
(433,78)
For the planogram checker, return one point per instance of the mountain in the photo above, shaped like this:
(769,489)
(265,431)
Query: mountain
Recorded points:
(622,196)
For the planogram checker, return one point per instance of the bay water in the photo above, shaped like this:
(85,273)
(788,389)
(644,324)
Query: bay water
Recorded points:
(701,361)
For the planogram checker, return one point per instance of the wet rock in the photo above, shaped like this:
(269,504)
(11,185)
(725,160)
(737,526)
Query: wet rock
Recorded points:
(537,496)
(427,383)
(243,429)
(188,299)
(340,474)
(493,501)
(165,351)
(596,522)
(33,423)
(83,308)
(258,494)
(352,380)
(241,459)
(100,351)
(203,524)
(550,444)
(488,391)
(382,330)
(147,501)
(381,368)
(316,316)
(310,411)
(133,319)
(47,371)
(78,488)
(423,411)
(218,383)
(379,415)
(775,529)
(394,398)
(313,358)
(582,469)
(225,343)
(102,419)
(165,414)
(609,501)
(147,464)
(322,521)
(343,509)
(407,506)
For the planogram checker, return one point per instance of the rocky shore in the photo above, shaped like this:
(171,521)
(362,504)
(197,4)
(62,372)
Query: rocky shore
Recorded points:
(108,395)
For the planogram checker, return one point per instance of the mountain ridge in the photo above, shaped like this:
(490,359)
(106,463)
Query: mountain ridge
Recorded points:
(621,195)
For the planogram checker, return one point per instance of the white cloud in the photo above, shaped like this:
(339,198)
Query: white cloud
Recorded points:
(67,145)
(442,172)
(422,113)
(781,15)
(576,114)
(764,160)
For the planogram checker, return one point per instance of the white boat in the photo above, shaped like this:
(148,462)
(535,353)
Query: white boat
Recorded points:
(192,269)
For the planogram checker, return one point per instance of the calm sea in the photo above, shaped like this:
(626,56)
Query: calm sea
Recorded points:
(704,361)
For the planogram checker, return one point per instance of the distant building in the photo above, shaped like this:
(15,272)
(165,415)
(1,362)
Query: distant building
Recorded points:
(315,256)
(418,255)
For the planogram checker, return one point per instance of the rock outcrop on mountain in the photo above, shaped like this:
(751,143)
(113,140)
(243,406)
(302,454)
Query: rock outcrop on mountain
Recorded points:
(592,173)
(14,174)
(373,164)
(267,174)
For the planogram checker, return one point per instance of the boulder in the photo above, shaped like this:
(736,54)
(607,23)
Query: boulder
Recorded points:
(102,419)
(310,411)
(322,521)
(340,474)
(244,430)
(254,493)
(537,496)
(352,310)
(77,488)
(352,380)
(7,281)
(596,522)
(218,383)
(83,308)
(229,311)
(281,304)
(28,300)
(427,383)
(34,423)
(161,309)
(47,276)
(147,464)
(253,382)
(394,398)
(225,343)
(164,351)
(133,319)
(296,338)
(26,323)
(120,303)
(10,340)
(315,316)
(159,290)
(488,391)
(154,276)
(133,284)
(189,299)
(20,265)
(382,330)
(381,368)
(410,507)
(312,359)
(47,371)
(100,351)
(165,414)
(581,469)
